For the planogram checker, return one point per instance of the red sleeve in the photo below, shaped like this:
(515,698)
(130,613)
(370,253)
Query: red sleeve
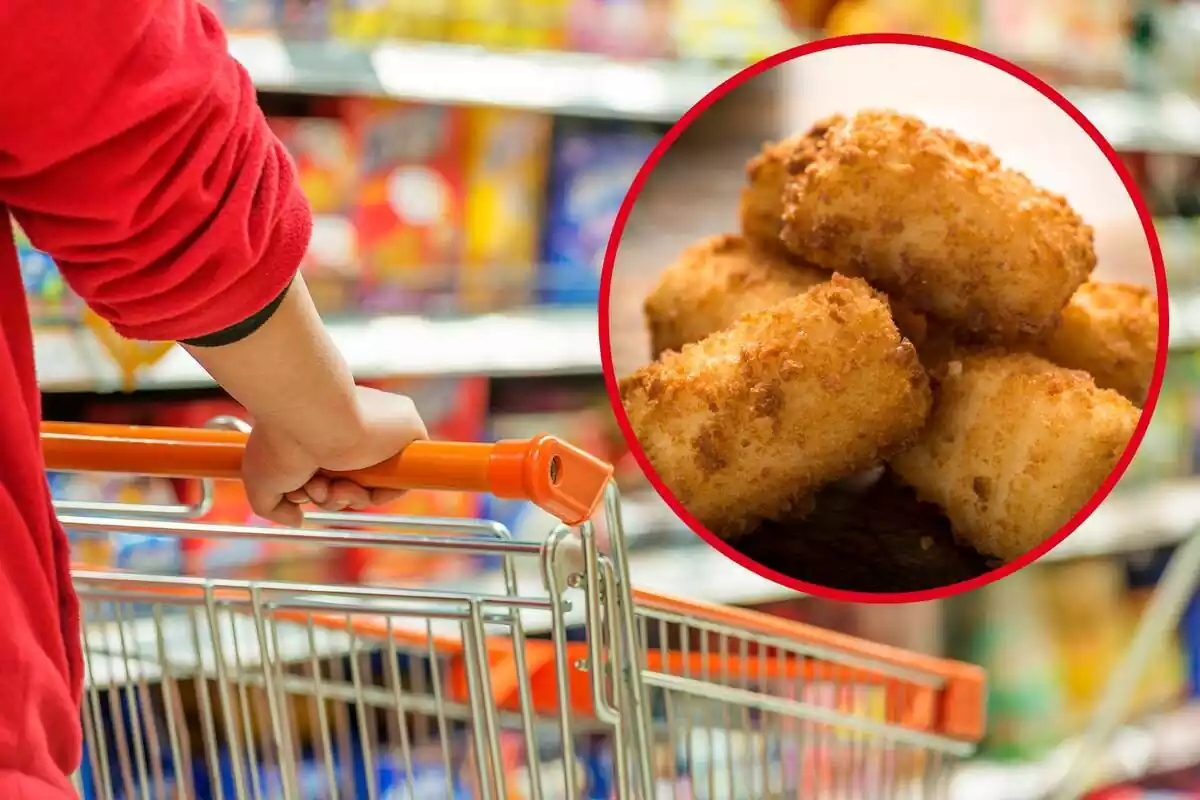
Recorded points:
(133,151)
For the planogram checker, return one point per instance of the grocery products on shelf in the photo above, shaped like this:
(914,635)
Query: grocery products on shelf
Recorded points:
(427,209)
(1171,446)
(950,19)
(1004,628)
(156,555)
(506,175)
(327,170)
(712,30)
(50,299)
(592,170)
(1050,637)
(1089,36)
(245,16)
(630,29)
(410,201)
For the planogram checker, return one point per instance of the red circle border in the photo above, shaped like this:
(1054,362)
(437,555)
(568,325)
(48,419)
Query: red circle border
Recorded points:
(639,182)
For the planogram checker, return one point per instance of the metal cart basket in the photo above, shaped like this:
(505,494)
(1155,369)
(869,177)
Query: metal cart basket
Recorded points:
(558,679)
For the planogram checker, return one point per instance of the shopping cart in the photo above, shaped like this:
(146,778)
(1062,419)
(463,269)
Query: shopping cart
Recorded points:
(557,679)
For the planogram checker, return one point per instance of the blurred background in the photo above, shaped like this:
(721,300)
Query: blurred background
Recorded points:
(466,158)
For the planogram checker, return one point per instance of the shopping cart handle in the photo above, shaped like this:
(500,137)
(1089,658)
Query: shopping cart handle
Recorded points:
(561,479)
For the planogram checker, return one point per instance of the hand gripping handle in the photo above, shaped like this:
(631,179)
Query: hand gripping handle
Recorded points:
(561,479)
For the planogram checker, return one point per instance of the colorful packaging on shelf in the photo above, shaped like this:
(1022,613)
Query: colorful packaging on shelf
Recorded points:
(326,167)
(624,28)
(1189,634)
(741,33)
(482,22)
(1173,674)
(949,19)
(362,20)
(132,552)
(591,172)
(410,207)
(1167,450)
(1088,619)
(539,24)
(303,19)
(1092,33)
(327,170)
(1003,628)
(50,299)
(506,170)
(245,16)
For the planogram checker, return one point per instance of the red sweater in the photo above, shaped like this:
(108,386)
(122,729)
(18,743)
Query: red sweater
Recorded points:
(133,152)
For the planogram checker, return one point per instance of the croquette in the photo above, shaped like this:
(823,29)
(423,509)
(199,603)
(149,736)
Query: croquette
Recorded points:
(717,280)
(938,223)
(1109,330)
(1014,447)
(713,283)
(766,176)
(748,423)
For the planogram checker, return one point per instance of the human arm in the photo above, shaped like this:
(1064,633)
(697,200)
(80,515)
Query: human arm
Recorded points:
(309,413)
(132,150)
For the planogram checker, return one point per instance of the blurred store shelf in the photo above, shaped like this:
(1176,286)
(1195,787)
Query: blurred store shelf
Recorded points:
(1185,321)
(527,343)
(1142,122)
(1160,743)
(1141,518)
(576,84)
(591,85)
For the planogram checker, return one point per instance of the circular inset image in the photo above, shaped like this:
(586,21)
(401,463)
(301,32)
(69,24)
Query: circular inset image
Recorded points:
(927,343)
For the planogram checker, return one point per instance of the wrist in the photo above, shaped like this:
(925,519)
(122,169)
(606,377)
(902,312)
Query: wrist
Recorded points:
(335,434)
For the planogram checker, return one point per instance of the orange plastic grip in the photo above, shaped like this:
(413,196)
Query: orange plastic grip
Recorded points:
(559,478)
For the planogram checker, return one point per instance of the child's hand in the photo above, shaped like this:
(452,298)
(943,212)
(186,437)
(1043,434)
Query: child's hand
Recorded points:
(280,470)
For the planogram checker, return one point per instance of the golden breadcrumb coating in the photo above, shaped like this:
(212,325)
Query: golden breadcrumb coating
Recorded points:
(745,424)
(939,224)
(767,174)
(1111,331)
(1015,446)
(713,283)
(717,280)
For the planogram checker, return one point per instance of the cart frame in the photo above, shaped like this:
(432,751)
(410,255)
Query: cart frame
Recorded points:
(716,693)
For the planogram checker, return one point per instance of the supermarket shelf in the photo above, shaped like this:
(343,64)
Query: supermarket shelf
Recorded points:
(1160,743)
(590,85)
(1138,122)
(1184,306)
(512,344)
(577,84)
(536,342)
(1136,519)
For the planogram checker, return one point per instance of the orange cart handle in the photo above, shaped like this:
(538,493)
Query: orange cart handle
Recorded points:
(561,479)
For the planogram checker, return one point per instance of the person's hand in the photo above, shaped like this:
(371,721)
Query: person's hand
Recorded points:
(280,468)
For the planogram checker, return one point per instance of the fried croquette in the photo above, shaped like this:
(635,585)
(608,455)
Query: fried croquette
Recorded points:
(748,423)
(766,176)
(937,223)
(717,280)
(1109,330)
(713,283)
(1014,447)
